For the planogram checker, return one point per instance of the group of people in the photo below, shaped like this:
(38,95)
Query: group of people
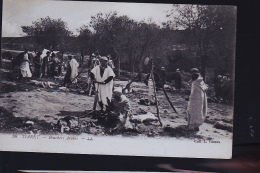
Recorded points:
(95,60)
(101,74)
(47,66)
(160,78)
(223,88)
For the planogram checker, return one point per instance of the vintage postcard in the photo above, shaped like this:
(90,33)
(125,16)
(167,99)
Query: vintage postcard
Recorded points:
(112,78)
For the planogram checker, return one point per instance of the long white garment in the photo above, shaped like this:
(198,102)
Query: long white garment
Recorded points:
(74,70)
(104,90)
(25,68)
(197,106)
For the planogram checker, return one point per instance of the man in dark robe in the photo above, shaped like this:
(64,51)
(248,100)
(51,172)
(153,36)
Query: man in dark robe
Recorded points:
(38,65)
(177,80)
(45,64)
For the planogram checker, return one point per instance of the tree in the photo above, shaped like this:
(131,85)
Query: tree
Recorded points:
(126,40)
(111,35)
(84,40)
(210,31)
(48,32)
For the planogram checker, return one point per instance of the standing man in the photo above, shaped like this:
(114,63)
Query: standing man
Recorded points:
(160,78)
(102,75)
(56,62)
(227,88)
(90,60)
(25,65)
(72,71)
(110,62)
(45,64)
(38,65)
(95,61)
(177,79)
(197,106)
(218,87)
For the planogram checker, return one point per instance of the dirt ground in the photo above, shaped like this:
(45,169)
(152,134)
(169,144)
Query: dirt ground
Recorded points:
(28,108)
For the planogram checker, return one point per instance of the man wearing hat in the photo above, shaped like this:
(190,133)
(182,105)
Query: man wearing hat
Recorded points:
(194,70)
(102,75)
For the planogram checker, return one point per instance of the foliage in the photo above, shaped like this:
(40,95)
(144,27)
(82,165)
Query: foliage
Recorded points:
(48,32)
(210,33)
(195,36)
(126,40)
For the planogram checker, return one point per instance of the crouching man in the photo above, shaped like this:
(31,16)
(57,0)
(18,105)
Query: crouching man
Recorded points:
(119,111)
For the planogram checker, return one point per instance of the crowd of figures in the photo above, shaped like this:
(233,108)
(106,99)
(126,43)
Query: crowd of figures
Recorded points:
(44,66)
(223,88)
(114,105)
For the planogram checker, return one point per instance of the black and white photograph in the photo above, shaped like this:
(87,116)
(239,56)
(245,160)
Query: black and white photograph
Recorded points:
(117,78)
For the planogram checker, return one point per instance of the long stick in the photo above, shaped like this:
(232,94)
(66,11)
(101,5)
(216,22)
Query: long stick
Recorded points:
(96,98)
(156,102)
(127,85)
(90,88)
(169,100)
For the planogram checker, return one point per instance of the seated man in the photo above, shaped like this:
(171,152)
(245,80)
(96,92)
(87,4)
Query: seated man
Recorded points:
(119,110)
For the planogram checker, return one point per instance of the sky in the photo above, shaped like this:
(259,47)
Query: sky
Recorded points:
(17,13)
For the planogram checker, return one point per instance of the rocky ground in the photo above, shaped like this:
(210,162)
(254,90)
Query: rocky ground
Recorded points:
(37,106)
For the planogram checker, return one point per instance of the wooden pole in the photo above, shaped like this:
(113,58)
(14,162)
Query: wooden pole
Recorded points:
(90,88)
(156,102)
(169,100)
(95,101)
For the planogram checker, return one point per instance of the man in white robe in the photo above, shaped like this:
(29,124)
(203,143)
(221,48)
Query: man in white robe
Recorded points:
(72,71)
(197,106)
(110,62)
(102,75)
(25,67)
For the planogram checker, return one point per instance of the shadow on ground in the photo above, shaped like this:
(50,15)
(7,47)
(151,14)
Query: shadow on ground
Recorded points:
(71,113)
(11,124)
(180,132)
